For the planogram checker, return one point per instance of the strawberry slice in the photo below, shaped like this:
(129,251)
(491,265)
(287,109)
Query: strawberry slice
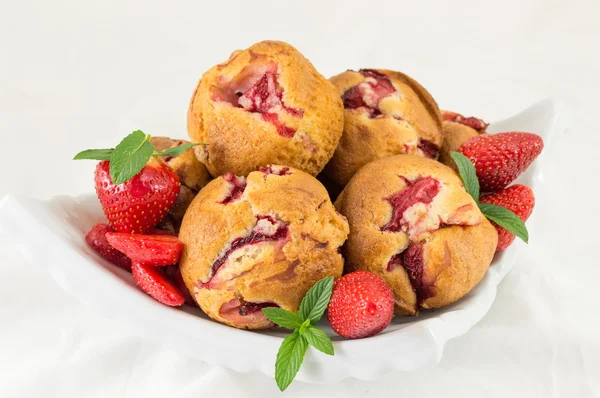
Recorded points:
(137,205)
(175,274)
(97,240)
(517,198)
(154,282)
(473,122)
(155,250)
(500,158)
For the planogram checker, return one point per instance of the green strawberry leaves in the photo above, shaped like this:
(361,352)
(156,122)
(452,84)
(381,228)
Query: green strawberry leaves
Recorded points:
(500,215)
(131,155)
(305,333)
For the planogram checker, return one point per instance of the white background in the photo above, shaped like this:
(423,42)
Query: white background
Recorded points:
(82,74)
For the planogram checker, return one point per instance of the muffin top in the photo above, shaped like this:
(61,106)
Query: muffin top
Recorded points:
(385,113)
(267,237)
(266,104)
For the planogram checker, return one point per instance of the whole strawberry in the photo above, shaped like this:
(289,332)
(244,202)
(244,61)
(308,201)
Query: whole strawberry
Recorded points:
(135,189)
(137,205)
(500,158)
(361,305)
(517,198)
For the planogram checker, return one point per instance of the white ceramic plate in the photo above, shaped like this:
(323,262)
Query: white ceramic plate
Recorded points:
(51,234)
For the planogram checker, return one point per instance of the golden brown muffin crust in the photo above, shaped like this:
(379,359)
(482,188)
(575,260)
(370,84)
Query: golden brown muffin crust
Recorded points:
(294,208)
(451,238)
(404,121)
(301,130)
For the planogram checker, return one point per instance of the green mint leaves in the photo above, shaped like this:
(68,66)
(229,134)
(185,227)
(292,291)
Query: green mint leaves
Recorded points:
(467,172)
(94,154)
(175,151)
(315,302)
(506,219)
(305,333)
(281,317)
(130,156)
(500,215)
(289,359)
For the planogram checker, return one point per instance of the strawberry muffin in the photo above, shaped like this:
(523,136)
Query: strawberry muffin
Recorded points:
(259,241)
(266,104)
(385,113)
(457,130)
(191,173)
(412,223)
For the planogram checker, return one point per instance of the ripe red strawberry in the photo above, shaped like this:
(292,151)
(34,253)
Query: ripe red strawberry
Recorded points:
(154,281)
(136,206)
(174,272)
(500,158)
(96,238)
(473,122)
(361,305)
(517,198)
(156,250)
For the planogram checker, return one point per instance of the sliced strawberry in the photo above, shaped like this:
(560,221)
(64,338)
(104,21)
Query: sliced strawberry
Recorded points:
(473,122)
(517,198)
(136,206)
(97,240)
(156,250)
(500,158)
(155,283)
(175,272)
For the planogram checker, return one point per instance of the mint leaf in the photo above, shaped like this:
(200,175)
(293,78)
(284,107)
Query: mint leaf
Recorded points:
(289,358)
(130,156)
(318,339)
(467,173)
(283,317)
(94,154)
(315,302)
(506,219)
(177,150)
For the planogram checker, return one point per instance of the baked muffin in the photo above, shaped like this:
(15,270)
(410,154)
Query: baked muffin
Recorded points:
(192,176)
(412,223)
(260,241)
(457,130)
(386,113)
(266,104)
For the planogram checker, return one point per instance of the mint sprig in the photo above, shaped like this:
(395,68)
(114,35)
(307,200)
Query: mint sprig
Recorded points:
(131,155)
(467,173)
(94,154)
(506,219)
(176,150)
(498,214)
(305,333)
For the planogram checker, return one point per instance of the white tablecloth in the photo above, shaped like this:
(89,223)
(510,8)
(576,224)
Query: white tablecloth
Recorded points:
(81,74)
